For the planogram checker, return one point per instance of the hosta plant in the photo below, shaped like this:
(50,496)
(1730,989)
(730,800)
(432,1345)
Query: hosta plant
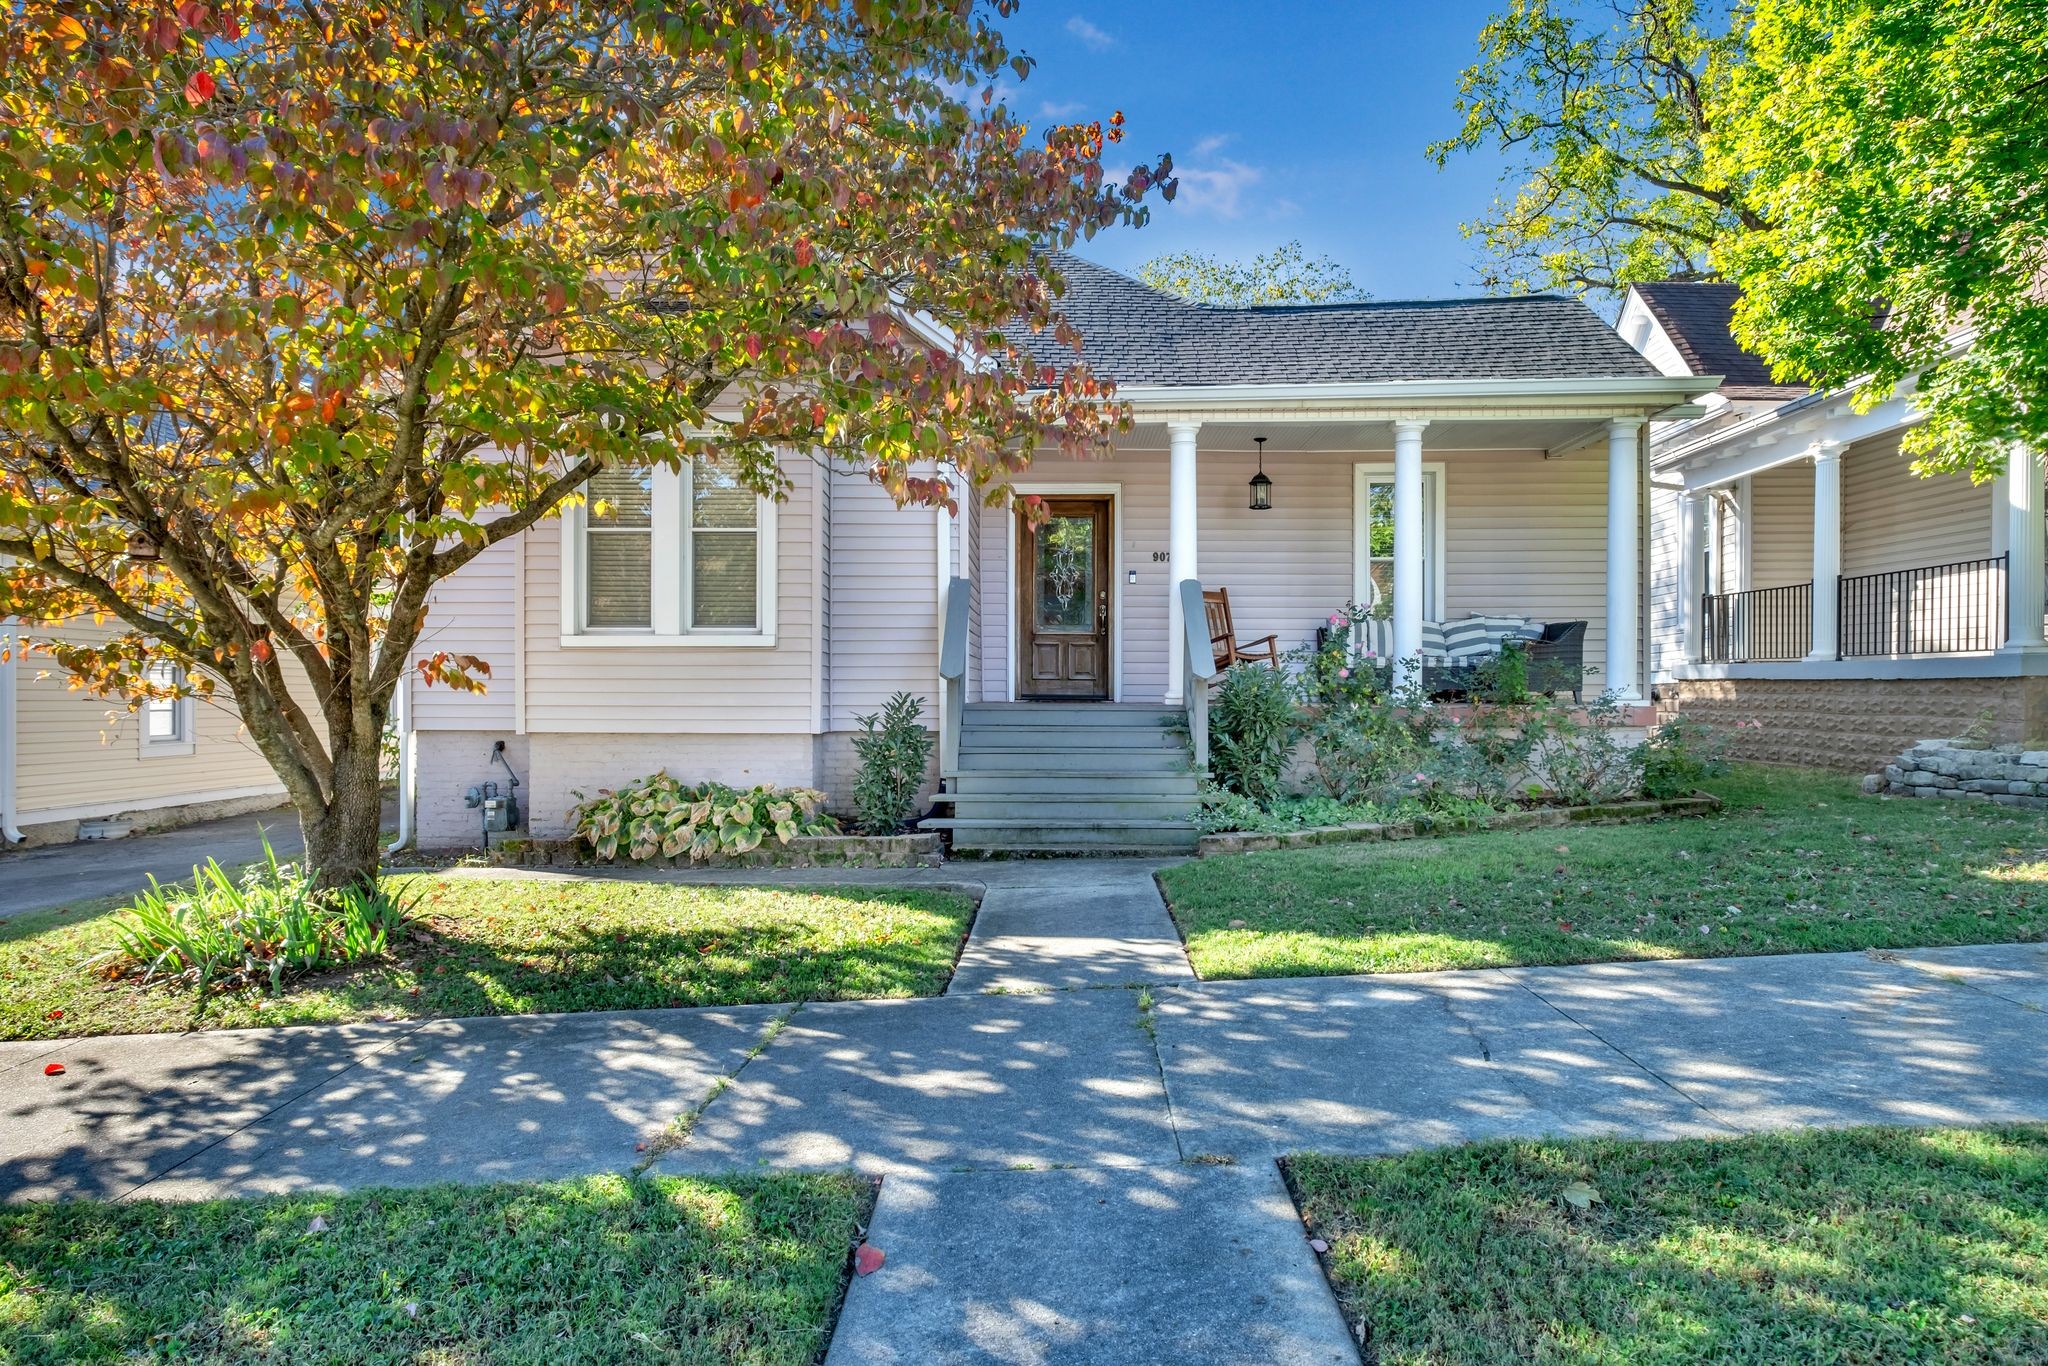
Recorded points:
(661,817)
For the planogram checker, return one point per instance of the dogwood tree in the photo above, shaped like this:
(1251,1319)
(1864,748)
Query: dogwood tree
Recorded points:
(304,305)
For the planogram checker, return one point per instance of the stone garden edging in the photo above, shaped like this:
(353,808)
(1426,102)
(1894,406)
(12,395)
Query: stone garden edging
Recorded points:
(919,850)
(1967,770)
(1531,818)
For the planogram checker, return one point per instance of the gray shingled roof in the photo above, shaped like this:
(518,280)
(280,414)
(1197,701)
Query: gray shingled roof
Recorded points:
(1134,334)
(1695,314)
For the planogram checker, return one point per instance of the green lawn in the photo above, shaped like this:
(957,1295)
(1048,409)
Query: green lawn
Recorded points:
(1862,1245)
(606,1269)
(507,946)
(1797,862)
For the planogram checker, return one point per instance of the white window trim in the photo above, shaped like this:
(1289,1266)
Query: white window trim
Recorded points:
(671,566)
(1436,494)
(180,746)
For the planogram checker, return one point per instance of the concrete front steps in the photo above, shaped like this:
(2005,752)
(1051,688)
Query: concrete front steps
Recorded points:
(1070,778)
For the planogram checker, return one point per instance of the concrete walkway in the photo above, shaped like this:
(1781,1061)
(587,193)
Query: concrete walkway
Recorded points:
(1070,1175)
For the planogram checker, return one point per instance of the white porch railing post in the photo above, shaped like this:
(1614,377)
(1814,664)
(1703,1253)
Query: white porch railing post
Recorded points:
(2024,549)
(1692,578)
(1182,510)
(1827,549)
(1410,564)
(1624,556)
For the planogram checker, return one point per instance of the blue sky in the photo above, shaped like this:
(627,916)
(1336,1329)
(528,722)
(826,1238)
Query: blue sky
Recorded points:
(1286,119)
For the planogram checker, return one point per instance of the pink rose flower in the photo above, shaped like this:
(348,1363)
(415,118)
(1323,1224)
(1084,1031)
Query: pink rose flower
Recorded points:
(1343,673)
(1336,620)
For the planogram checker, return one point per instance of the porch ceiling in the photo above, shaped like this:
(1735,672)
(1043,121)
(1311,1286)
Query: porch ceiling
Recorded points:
(1553,435)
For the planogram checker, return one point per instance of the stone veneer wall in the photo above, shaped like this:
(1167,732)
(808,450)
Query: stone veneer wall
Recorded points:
(1967,770)
(1855,725)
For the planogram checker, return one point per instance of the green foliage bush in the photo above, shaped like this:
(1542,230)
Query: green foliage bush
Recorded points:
(1253,721)
(660,816)
(225,934)
(1581,758)
(1682,754)
(894,750)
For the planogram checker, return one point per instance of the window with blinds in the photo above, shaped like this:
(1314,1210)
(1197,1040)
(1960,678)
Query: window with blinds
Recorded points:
(619,551)
(672,551)
(724,550)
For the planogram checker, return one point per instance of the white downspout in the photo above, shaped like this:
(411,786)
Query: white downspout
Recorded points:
(9,708)
(407,784)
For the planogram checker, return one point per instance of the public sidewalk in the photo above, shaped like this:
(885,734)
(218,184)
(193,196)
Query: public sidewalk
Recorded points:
(1077,1145)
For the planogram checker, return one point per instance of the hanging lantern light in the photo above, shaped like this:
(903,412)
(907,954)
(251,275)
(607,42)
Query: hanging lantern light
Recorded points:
(1262,487)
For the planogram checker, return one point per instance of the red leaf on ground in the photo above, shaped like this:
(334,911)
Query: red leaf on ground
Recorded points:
(54,1015)
(55,1069)
(867,1259)
(1565,925)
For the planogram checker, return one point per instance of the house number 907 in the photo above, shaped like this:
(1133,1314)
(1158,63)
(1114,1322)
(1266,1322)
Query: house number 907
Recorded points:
(1161,556)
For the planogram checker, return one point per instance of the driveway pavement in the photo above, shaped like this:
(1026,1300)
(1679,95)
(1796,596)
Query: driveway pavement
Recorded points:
(1076,1174)
(57,874)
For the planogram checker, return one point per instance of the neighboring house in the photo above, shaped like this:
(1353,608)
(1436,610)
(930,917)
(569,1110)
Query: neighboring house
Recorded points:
(67,756)
(1484,451)
(1804,577)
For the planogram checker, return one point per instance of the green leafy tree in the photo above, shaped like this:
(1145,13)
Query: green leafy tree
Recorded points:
(1284,275)
(304,305)
(1600,111)
(1901,148)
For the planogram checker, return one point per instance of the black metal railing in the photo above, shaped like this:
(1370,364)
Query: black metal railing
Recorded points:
(1758,625)
(1940,609)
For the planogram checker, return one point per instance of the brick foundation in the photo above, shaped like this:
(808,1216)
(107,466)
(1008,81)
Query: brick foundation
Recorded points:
(1858,725)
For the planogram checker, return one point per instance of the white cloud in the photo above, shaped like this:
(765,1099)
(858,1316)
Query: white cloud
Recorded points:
(1090,37)
(1213,144)
(1061,109)
(1219,188)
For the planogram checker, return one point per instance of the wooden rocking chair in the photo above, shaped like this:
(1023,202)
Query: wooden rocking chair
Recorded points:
(1223,639)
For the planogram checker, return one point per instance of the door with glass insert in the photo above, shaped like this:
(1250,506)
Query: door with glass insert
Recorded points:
(1063,602)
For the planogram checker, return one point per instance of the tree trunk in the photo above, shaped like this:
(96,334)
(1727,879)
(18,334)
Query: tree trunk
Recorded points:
(344,838)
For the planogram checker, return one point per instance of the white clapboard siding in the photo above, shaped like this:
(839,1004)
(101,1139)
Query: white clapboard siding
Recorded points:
(77,750)
(885,631)
(730,690)
(471,612)
(1523,534)
(1780,516)
(1666,583)
(1894,519)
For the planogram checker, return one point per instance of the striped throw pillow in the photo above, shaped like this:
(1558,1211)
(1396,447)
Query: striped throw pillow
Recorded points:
(1506,626)
(1470,640)
(1435,640)
(1376,637)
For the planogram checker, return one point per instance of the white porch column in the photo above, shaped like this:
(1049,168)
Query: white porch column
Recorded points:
(1827,547)
(1624,558)
(1181,511)
(1409,562)
(2023,545)
(1692,574)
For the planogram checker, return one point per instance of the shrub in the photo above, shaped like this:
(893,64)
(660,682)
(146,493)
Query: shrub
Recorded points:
(260,931)
(658,815)
(1222,810)
(1580,760)
(1680,755)
(1252,726)
(893,752)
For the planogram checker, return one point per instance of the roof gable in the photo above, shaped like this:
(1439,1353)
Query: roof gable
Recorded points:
(1696,315)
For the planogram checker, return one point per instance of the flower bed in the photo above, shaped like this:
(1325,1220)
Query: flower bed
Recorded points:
(1526,818)
(801,851)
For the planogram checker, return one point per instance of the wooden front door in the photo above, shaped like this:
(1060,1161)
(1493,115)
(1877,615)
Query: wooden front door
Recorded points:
(1063,601)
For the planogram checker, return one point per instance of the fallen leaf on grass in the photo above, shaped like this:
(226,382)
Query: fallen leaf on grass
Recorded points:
(1318,1245)
(318,1224)
(1580,1195)
(867,1259)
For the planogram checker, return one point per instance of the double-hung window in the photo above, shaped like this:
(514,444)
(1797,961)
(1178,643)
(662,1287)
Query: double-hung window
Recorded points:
(1373,538)
(166,722)
(670,556)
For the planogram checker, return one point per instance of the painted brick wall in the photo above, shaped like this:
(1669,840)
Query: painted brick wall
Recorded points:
(553,768)
(837,768)
(1858,725)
